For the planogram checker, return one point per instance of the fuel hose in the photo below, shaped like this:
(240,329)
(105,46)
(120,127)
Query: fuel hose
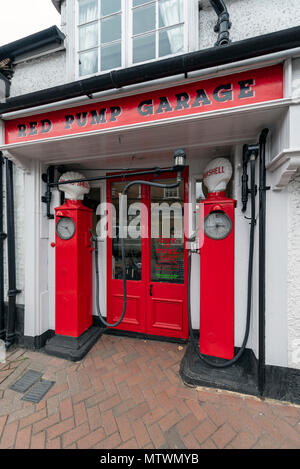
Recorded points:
(123,256)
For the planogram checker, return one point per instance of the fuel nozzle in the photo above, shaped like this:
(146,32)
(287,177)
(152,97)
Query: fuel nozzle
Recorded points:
(94,237)
(250,152)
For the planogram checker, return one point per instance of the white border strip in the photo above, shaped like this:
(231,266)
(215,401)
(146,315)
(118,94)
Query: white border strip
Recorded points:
(199,116)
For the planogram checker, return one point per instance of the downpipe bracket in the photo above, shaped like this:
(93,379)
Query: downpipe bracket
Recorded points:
(13,293)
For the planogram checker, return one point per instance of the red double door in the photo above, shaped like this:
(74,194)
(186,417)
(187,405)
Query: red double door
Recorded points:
(156,261)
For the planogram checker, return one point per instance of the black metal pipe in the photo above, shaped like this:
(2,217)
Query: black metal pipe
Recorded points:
(11,257)
(48,195)
(181,64)
(112,176)
(262,263)
(223,25)
(2,238)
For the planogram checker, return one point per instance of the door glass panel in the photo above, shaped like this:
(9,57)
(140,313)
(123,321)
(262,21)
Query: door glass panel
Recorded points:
(111,56)
(167,233)
(109,7)
(171,41)
(111,29)
(133,241)
(88,36)
(88,10)
(88,62)
(144,19)
(136,3)
(144,48)
(170,13)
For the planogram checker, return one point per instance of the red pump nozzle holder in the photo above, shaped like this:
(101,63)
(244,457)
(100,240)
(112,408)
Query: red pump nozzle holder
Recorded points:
(74,272)
(217,283)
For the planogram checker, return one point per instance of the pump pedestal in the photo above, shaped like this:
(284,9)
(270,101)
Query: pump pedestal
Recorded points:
(74,334)
(73,348)
(217,277)
(241,377)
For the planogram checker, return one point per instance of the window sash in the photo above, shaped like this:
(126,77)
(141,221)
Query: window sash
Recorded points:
(127,37)
(101,46)
(157,31)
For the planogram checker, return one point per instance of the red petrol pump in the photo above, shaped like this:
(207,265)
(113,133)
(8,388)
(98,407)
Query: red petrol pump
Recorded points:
(217,264)
(74,332)
(73,285)
(217,301)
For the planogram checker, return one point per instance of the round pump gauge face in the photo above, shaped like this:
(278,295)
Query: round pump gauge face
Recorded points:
(65,228)
(217,225)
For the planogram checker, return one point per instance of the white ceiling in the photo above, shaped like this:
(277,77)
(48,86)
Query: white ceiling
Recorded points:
(202,136)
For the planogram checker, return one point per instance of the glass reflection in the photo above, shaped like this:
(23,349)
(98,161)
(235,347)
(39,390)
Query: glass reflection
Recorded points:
(133,243)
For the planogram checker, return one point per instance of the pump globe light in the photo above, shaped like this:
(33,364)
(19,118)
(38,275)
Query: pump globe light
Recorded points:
(76,190)
(217,175)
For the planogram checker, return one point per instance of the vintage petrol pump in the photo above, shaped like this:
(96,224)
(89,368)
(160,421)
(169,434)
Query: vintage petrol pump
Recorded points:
(75,334)
(217,264)
(73,223)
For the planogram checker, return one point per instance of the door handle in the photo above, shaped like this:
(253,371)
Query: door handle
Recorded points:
(151,290)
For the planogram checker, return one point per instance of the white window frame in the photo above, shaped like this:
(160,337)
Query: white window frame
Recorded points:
(98,47)
(191,36)
(130,39)
(171,193)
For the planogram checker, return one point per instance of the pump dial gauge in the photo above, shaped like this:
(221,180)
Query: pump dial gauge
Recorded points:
(217,225)
(65,228)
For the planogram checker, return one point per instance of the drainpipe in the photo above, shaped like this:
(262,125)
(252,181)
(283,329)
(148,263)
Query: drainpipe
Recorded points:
(2,238)
(223,25)
(262,263)
(11,257)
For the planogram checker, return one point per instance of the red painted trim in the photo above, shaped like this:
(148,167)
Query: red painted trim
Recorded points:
(250,87)
(144,284)
(217,287)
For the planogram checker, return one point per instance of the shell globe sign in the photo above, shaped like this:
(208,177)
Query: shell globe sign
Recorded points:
(217,175)
(74,191)
(246,88)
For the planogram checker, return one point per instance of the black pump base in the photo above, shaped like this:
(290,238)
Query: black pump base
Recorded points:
(241,377)
(71,348)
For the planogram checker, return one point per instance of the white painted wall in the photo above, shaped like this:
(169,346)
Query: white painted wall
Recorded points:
(249,18)
(293,275)
(276,278)
(38,74)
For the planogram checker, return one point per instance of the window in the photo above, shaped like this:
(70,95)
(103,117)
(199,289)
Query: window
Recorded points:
(112,34)
(171,193)
(99,35)
(157,29)
(199,191)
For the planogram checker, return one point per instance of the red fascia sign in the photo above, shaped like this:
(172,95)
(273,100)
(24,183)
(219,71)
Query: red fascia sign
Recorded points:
(251,87)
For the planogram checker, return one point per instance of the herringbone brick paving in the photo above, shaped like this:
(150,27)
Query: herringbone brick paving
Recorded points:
(127,393)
